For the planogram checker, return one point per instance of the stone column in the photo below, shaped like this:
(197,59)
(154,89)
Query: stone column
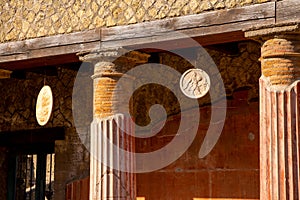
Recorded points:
(106,180)
(279,112)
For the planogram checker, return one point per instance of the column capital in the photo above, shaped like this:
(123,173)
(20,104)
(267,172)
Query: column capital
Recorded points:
(267,32)
(99,55)
(280,52)
(113,61)
(109,66)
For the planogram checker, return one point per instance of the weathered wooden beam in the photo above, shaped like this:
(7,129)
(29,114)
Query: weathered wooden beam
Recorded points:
(288,11)
(204,41)
(23,47)
(220,34)
(45,56)
(52,50)
(40,62)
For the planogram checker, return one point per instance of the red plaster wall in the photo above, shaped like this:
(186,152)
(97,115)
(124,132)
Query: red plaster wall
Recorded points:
(230,171)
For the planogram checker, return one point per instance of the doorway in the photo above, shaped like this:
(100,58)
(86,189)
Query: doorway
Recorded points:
(31,163)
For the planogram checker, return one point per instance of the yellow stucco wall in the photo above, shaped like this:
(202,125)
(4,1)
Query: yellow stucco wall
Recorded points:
(24,19)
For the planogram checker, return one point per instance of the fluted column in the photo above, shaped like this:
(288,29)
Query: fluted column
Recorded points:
(108,135)
(279,118)
(279,110)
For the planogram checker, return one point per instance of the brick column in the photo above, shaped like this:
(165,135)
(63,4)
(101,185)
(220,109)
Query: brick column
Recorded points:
(106,180)
(279,114)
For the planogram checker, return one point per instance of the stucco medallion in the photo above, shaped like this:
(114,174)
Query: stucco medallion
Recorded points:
(195,83)
(44,105)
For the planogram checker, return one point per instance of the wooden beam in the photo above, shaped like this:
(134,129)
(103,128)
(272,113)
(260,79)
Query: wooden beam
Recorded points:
(40,62)
(23,47)
(60,59)
(47,54)
(52,50)
(190,43)
(220,34)
(42,135)
(288,11)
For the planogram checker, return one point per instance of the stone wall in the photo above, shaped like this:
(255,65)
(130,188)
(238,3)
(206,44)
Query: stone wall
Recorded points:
(18,100)
(241,70)
(29,19)
(17,112)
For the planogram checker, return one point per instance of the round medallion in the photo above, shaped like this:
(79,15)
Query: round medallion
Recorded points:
(44,105)
(195,83)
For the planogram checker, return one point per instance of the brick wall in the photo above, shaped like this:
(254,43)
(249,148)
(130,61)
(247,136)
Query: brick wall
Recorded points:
(29,19)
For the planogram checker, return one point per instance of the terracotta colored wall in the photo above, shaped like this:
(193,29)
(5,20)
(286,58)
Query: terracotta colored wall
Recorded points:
(229,171)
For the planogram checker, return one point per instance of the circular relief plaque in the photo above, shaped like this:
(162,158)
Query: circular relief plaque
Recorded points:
(195,83)
(44,105)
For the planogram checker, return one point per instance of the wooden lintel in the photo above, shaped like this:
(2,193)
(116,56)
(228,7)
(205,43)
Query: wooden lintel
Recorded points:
(40,62)
(288,11)
(166,45)
(24,47)
(33,136)
(203,41)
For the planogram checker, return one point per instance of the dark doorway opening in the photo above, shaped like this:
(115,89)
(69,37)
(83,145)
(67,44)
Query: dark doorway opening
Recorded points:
(31,162)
